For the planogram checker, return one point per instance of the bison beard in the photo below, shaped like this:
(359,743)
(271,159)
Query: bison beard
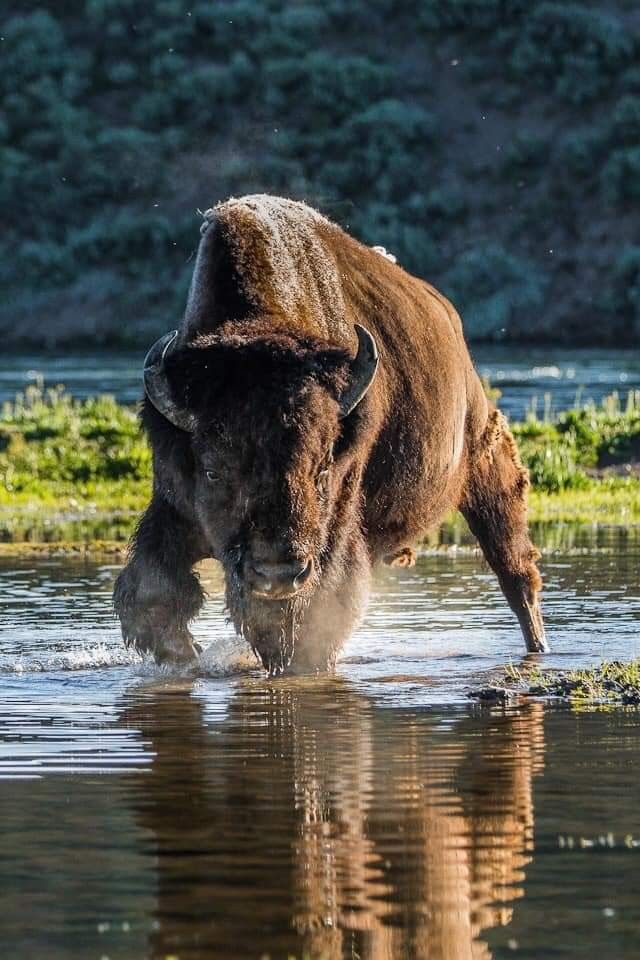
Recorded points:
(268,626)
(281,450)
(270,633)
(305,633)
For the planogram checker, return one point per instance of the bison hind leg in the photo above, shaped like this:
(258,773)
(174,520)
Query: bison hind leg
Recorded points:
(403,557)
(495,507)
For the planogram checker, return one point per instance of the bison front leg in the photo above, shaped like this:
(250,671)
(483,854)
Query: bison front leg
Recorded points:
(157,594)
(495,507)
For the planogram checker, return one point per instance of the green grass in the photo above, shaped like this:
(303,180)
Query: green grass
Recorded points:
(611,501)
(610,682)
(81,470)
(69,469)
(583,462)
(562,452)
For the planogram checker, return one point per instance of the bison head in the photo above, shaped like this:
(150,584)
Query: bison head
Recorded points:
(271,454)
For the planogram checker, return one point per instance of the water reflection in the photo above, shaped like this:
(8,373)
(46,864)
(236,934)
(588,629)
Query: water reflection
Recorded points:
(310,821)
(146,814)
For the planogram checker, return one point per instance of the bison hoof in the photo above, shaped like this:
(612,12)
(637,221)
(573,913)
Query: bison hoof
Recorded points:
(179,650)
(404,557)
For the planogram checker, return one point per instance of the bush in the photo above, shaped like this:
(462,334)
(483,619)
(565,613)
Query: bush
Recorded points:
(33,47)
(445,204)
(582,150)
(50,438)
(620,177)
(622,298)
(494,288)
(327,90)
(411,242)
(575,49)
(113,133)
(472,15)
(558,453)
(554,468)
(375,150)
(527,152)
(624,129)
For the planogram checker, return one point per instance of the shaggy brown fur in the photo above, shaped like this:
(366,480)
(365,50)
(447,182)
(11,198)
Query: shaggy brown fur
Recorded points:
(263,358)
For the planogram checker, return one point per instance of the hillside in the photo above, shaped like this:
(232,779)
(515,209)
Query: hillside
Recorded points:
(492,145)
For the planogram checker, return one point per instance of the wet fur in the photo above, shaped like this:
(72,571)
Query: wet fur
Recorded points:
(265,346)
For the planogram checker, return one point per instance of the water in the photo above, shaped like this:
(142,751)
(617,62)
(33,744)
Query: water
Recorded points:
(523,375)
(526,374)
(150,813)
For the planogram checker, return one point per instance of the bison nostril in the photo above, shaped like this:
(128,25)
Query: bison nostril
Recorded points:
(279,579)
(304,574)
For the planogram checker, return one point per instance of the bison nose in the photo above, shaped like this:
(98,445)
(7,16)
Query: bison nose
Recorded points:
(280,580)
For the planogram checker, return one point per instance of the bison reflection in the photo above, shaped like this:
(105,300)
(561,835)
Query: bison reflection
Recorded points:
(311,822)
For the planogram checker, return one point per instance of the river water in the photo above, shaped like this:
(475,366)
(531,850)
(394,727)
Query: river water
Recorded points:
(376,814)
(525,375)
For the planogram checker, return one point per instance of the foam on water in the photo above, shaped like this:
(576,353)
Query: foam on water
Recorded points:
(90,657)
(224,658)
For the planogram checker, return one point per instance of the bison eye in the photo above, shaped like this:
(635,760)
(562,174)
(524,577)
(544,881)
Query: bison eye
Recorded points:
(211,476)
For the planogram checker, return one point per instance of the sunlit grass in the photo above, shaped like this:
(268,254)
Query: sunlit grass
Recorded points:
(564,452)
(610,682)
(611,501)
(70,469)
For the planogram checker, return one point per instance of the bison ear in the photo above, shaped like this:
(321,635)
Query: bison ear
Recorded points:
(362,371)
(157,387)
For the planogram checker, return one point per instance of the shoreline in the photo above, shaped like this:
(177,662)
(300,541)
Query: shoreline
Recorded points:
(92,524)
(551,538)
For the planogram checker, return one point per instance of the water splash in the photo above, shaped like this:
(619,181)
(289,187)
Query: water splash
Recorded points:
(91,657)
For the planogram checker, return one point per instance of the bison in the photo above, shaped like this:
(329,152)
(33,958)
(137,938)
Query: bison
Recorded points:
(315,414)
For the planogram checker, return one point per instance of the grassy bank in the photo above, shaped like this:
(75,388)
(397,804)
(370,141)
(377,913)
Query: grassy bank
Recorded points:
(584,463)
(611,682)
(81,471)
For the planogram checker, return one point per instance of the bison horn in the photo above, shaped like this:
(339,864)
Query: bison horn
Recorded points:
(157,388)
(362,371)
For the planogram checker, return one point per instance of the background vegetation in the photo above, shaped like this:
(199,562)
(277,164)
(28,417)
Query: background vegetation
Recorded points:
(81,470)
(493,145)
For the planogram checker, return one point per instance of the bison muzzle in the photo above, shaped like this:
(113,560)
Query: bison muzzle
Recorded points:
(315,414)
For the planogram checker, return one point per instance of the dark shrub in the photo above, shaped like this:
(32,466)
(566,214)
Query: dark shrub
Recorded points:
(496,291)
(622,298)
(574,49)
